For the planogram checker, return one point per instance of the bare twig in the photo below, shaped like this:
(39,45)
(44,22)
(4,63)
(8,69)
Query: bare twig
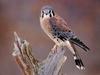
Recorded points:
(30,65)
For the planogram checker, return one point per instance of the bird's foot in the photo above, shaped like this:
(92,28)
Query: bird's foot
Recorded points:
(54,49)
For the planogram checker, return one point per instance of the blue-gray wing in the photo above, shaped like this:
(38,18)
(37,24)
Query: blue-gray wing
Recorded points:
(70,36)
(61,31)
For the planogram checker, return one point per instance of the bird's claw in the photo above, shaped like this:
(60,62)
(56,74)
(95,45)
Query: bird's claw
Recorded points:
(54,49)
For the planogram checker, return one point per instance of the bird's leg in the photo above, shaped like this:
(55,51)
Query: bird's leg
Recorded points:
(54,49)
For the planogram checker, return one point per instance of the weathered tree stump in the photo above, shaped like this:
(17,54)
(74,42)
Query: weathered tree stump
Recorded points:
(32,66)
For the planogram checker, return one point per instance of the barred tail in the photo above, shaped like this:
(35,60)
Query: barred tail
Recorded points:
(79,63)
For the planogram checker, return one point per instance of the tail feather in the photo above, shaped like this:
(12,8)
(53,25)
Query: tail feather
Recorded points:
(79,43)
(79,63)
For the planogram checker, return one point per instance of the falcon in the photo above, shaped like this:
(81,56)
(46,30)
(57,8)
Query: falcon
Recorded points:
(58,31)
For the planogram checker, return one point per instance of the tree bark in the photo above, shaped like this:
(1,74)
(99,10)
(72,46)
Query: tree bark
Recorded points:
(32,66)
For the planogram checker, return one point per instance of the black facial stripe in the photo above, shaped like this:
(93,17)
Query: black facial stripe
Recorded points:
(50,15)
(53,13)
(42,14)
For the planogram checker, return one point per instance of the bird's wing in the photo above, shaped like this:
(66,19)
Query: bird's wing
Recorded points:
(79,43)
(61,30)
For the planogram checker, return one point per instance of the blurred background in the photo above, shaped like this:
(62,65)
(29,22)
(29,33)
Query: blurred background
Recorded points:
(22,16)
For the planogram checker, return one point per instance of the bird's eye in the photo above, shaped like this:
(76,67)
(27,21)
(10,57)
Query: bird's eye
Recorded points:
(49,11)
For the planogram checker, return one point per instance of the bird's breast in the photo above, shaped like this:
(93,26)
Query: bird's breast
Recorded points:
(45,25)
(49,30)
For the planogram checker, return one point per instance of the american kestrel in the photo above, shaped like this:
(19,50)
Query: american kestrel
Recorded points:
(57,29)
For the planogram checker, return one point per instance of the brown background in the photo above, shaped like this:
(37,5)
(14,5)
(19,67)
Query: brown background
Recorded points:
(22,16)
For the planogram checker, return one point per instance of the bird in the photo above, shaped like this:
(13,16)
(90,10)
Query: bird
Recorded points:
(57,29)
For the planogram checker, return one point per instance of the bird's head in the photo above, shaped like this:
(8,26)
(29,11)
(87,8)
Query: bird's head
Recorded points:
(47,11)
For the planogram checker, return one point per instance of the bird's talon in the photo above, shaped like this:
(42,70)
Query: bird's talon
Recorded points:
(54,49)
